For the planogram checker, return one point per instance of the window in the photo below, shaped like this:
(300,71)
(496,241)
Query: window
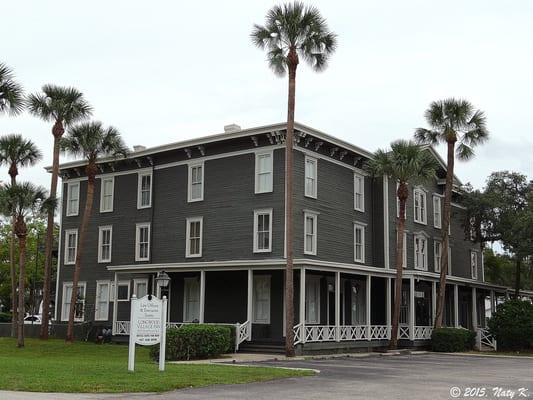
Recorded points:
(263,172)
(310,176)
(437,212)
(142,242)
(106,194)
(437,255)
(473,264)
(193,247)
(312,300)
(123,293)
(71,246)
(79,310)
(144,190)
(449,261)
(404,255)
(105,234)
(263,231)
(310,233)
(196,182)
(101,310)
(191,300)
(397,200)
(420,206)
(421,259)
(140,287)
(73,198)
(359,243)
(261,299)
(359,192)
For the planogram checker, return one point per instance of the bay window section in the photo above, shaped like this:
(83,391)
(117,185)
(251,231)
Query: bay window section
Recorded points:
(144,190)
(420,245)
(196,182)
(310,177)
(263,231)
(359,243)
(107,194)
(105,234)
(193,247)
(359,192)
(73,198)
(263,172)
(420,206)
(310,233)
(142,242)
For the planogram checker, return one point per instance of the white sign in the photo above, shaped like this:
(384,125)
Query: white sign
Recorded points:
(148,326)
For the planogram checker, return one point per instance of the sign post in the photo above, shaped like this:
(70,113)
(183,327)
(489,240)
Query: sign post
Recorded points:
(147,326)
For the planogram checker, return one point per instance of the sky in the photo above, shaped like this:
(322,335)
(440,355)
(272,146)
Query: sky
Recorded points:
(165,71)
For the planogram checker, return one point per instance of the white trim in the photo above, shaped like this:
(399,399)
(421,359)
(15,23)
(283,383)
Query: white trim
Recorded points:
(257,278)
(361,227)
(66,310)
(386,244)
(114,291)
(474,268)
(191,166)
(314,162)
(437,219)
(68,211)
(437,259)
(102,187)
(423,206)
(359,177)
(136,281)
(140,175)
(270,185)
(138,226)
(420,237)
(67,233)
(97,302)
(100,237)
(262,211)
(190,220)
(314,217)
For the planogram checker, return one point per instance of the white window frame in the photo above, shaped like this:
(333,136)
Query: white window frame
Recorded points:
(422,218)
(103,195)
(314,216)
(437,212)
(397,200)
(120,283)
(187,281)
(101,229)
(188,237)
(437,256)
(423,267)
(65,310)
(192,166)
(139,187)
(314,280)
(69,212)
(357,177)
(361,227)
(269,187)
(404,255)
(257,213)
(314,162)
(474,264)
(97,301)
(256,279)
(138,227)
(68,232)
(136,282)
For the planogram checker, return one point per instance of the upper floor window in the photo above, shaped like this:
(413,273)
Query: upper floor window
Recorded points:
(196,182)
(73,198)
(310,225)
(263,172)
(420,206)
(105,234)
(144,190)
(359,243)
(437,255)
(263,231)
(106,194)
(310,176)
(193,247)
(437,212)
(142,242)
(421,255)
(473,264)
(359,192)
(71,246)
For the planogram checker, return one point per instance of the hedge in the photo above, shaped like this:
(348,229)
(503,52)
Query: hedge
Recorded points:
(451,340)
(5,317)
(512,325)
(195,341)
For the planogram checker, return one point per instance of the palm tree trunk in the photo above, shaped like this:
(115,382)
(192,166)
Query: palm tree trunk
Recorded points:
(289,271)
(49,243)
(22,277)
(445,237)
(13,273)
(81,245)
(393,344)
(517,278)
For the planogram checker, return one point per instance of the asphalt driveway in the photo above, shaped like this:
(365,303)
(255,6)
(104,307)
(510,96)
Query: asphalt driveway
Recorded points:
(412,377)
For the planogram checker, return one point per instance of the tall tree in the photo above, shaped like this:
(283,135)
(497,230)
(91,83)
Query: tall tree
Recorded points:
(63,106)
(407,164)
(293,31)
(20,200)
(16,152)
(89,140)
(11,93)
(456,123)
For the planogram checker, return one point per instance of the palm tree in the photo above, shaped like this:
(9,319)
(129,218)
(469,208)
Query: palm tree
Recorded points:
(63,106)
(11,93)
(16,152)
(292,31)
(89,140)
(19,200)
(451,121)
(406,163)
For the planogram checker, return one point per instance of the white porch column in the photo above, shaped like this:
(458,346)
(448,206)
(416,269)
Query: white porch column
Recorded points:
(249,305)
(338,306)
(433,301)
(474,309)
(412,308)
(202,296)
(456,305)
(388,306)
(368,307)
(115,305)
(302,303)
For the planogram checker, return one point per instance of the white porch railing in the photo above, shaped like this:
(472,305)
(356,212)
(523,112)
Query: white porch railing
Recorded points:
(423,332)
(403,332)
(380,332)
(353,332)
(243,332)
(484,339)
(332,333)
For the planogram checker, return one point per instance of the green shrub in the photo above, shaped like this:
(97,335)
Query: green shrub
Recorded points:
(195,341)
(5,317)
(451,340)
(512,325)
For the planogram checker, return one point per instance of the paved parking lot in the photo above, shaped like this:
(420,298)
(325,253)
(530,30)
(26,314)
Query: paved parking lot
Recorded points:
(422,376)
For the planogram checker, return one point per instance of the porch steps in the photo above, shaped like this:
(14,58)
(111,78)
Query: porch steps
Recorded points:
(260,347)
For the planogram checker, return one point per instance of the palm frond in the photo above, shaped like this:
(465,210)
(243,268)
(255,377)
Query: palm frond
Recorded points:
(22,199)
(11,92)
(464,152)
(426,136)
(17,151)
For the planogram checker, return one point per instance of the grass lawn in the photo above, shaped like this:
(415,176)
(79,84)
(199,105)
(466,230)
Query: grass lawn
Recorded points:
(54,366)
